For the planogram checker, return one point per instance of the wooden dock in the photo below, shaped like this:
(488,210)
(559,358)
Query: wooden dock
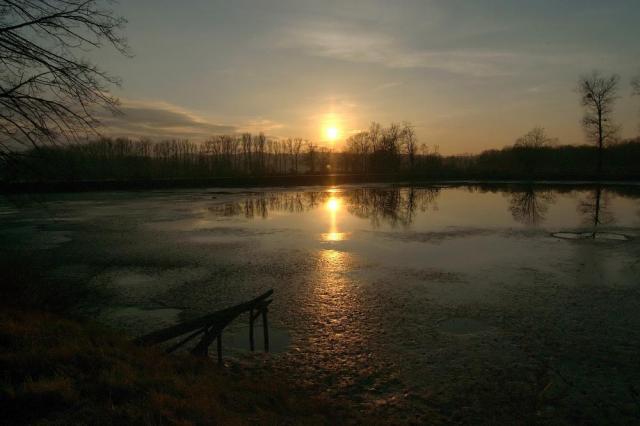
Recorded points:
(211,326)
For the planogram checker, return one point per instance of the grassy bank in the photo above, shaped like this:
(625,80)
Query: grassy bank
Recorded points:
(61,368)
(57,370)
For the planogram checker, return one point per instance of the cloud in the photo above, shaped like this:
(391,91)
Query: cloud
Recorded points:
(159,120)
(261,125)
(384,50)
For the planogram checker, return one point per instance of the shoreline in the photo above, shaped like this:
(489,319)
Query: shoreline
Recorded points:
(26,187)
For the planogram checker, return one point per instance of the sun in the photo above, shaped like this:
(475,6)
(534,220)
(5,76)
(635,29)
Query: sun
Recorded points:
(332,133)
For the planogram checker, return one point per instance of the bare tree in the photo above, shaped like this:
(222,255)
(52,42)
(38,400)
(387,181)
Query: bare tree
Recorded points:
(311,156)
(386,155)
(259,146)
(47,91)
(597,95)
(359,146)
(297,146)
(247,143)
(290,149)
(410,143)
(535,138)
(528,149)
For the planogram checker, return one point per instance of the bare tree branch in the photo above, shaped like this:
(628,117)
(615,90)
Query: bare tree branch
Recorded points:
(598,95)
(47,92)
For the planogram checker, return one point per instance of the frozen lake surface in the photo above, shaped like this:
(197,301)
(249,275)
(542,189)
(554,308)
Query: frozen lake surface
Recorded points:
(456,303)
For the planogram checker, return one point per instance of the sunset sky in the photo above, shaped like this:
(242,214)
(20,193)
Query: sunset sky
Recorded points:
(470,75)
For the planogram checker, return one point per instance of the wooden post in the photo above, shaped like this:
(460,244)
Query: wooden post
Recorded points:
(251,342)
(212,333)
(265,326)
(202,348)
(219,340)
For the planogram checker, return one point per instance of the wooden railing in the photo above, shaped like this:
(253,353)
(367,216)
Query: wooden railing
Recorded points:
(211,326)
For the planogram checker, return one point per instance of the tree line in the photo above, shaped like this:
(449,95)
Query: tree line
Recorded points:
(393,149)
(386,151)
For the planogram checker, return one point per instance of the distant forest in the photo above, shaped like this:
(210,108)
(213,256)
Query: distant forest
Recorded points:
(391,150)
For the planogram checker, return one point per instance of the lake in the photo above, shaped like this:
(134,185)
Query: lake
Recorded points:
(453,302)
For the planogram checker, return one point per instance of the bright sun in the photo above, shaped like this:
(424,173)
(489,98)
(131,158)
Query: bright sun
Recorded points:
(332,133)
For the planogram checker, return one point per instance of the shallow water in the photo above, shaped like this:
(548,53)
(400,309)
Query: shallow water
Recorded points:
(418,302)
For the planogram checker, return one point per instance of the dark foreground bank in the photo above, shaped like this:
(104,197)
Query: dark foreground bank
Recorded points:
(60,368)
(62,371)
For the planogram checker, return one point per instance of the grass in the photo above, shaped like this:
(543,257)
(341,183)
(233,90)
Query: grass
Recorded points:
(57,370)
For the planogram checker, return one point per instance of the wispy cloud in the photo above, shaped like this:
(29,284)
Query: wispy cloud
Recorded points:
(261,125)
(381,49)
(159,120)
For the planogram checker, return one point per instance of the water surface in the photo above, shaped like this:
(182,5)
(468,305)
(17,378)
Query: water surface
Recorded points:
(451,303)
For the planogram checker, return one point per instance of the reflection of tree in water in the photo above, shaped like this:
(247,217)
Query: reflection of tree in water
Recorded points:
(261,204)
(595,210)
(390,205)
(530,206)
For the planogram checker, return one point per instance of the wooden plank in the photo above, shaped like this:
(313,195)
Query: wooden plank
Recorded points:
(222,316)
(202,348)
(185,340)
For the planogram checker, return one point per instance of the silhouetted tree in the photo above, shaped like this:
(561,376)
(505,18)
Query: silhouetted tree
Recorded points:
(46,90)
(236,155)
(410,143)
(535,138)
(311,157)
(597,96)
(386,156)
(296,148)
(359,147)
(259,144)
(528,149)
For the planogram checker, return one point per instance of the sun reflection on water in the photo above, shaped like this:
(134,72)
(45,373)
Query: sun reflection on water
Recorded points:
(333,206)
(333,295)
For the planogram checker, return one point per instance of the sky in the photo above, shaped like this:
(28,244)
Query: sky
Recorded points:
(469,75)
